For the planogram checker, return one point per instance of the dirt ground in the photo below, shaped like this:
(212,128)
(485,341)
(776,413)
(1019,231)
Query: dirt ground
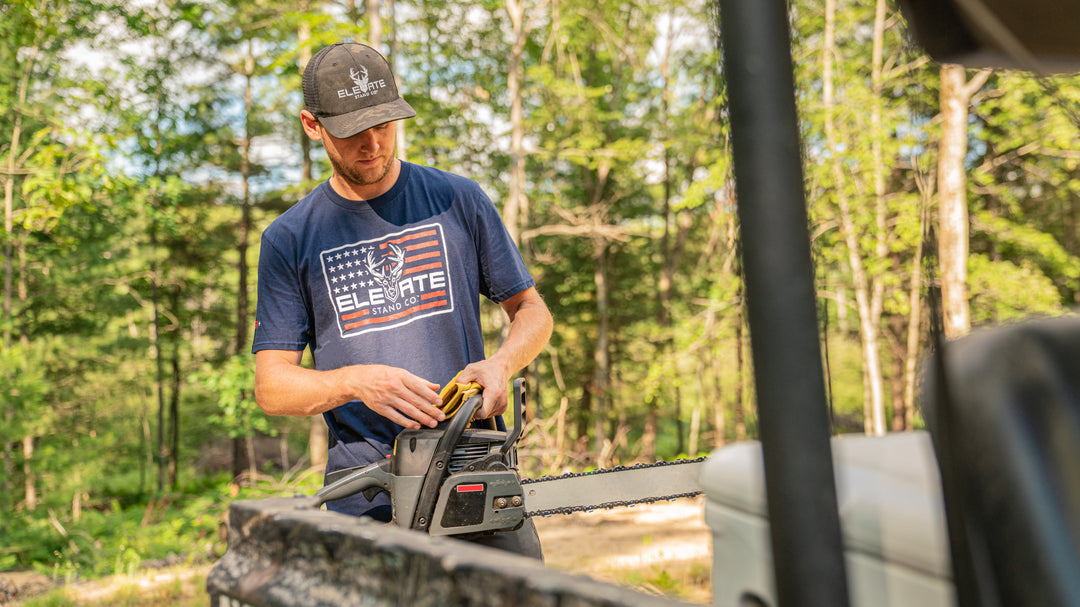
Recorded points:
(661,548)
(16,585)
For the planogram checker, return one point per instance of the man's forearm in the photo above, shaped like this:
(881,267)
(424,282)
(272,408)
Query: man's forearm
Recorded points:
(530,329)
(282,388)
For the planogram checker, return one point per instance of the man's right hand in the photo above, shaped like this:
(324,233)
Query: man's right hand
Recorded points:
(284,387)
(400,396)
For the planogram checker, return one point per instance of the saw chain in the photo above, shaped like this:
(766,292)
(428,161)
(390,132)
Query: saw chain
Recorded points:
(597,474)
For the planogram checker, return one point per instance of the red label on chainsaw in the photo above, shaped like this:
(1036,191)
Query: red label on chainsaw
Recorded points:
(469,488)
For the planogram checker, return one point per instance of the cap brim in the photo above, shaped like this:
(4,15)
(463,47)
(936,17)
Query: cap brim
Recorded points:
(347,125)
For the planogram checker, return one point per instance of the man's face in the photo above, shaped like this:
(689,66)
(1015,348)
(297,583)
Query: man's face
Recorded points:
(365,158)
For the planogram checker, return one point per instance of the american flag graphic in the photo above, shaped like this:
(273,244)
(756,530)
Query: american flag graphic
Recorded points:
(388,282)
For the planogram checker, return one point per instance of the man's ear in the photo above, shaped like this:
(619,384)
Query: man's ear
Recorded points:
(311,125)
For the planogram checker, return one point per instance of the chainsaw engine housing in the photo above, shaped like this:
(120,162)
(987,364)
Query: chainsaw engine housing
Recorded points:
(481,492)
(448,480)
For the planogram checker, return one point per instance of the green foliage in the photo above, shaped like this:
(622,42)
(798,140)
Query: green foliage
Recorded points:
(1023,242)
(25,389)
(118,535)
(114,539)
(1002,291)
(231,382)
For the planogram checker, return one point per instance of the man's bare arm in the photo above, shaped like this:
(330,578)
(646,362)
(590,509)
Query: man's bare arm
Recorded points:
(530,328)
(284,387)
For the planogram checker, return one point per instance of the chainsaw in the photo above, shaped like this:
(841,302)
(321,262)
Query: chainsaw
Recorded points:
(459,480)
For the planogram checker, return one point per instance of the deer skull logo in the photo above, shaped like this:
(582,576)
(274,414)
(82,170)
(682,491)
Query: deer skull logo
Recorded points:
(387,270)
(360,78)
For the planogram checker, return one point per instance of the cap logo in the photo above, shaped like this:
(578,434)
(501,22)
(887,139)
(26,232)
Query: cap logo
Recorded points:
(350,88)
(363,87)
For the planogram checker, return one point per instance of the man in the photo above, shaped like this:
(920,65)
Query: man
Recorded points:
(379,270)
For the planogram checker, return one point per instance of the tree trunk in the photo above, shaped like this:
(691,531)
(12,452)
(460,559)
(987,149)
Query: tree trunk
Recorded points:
(241,344)
(564,407)
(8,320)
(9,229)
(874,417)
(402,125)
(174,403)
(147,447)
(584,414)
(375,25)
(377,35)
(881,208)
(303,43)
(513,211)
(9,193)
(719,421)
(741,372)
(730,267)
(601,358)
(955,97)
(28,472)
(76,498)
(914,322)
(318,441)
(253,465)
(672,245)
(695,429)
(898,360)
(155,341)
(650,430)
(740,365)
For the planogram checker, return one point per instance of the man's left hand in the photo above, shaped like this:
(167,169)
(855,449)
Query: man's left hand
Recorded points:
(494,379)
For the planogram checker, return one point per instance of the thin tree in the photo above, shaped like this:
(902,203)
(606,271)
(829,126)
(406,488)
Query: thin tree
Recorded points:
(874,408)
(954,99)
(515,212)
(318,439)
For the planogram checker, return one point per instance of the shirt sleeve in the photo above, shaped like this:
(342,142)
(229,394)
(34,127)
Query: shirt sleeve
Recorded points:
(503,273)
(282,313)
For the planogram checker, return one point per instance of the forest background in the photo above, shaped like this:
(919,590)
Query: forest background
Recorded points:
(146,144)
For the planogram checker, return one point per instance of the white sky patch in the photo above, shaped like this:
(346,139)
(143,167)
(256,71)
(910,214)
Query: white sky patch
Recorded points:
(272,150)
(682,32)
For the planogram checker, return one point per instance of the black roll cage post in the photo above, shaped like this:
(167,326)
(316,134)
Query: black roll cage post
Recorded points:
(800,485)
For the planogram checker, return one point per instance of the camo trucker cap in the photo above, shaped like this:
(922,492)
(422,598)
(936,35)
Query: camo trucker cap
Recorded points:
(349,87)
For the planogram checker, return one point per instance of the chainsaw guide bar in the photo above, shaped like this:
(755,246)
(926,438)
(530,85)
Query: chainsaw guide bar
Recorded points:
(616,487)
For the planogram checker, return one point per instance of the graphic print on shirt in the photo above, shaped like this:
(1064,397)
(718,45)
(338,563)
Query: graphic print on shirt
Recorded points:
(388,282)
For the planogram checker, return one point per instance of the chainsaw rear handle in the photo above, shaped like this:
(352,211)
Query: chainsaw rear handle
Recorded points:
(519,411)
(370,479)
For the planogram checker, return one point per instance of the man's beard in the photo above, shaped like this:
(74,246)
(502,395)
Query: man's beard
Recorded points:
(354,176)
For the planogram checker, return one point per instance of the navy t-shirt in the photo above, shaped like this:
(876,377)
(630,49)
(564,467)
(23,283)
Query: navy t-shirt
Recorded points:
(394,280)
